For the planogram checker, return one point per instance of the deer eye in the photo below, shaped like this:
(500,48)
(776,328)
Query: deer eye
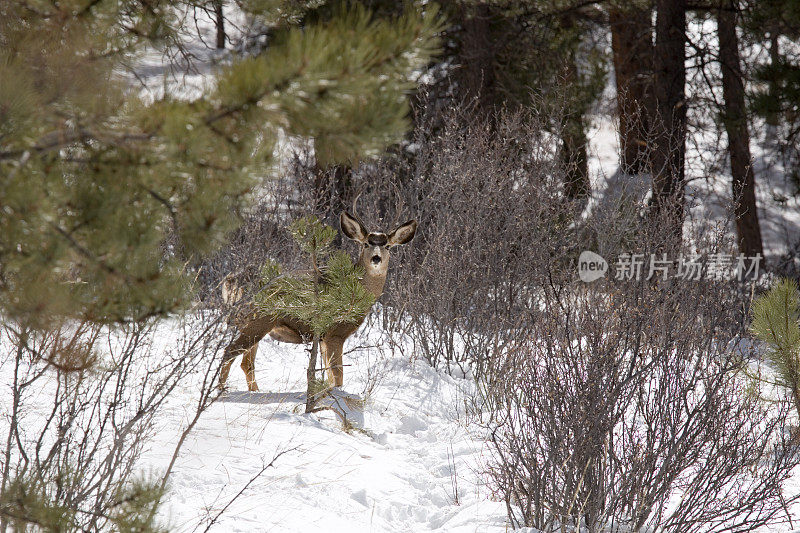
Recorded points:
(366,245)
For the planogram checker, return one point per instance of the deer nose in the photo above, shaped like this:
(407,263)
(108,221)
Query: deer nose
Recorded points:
(376,259)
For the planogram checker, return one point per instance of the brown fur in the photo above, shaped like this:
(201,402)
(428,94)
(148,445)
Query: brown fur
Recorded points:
(253,326)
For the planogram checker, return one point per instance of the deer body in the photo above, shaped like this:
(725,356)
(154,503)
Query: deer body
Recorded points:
(374,258)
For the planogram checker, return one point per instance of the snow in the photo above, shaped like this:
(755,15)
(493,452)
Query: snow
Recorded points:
(412,462)
(186,73)
(395,473)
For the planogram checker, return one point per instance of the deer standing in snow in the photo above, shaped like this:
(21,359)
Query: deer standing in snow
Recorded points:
(374,258)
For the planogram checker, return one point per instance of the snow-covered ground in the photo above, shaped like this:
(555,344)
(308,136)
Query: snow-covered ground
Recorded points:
(413,465)
(413,462)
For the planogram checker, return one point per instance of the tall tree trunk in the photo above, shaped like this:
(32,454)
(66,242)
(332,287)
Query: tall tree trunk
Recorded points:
(668,155)
(220,20)
(478,57)
(574,156)
(632,49)
(773,118)
(748,229)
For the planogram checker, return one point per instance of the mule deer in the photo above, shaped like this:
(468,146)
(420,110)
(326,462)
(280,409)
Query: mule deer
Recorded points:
(374,259)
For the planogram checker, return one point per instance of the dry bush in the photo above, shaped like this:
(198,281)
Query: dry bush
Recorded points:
(614,406)
(622,410)
(262,236)
(81,402)
(491,211)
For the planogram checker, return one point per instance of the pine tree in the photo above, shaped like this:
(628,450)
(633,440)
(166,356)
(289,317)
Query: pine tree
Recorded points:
(667,158)
(775,95)
(778,94)
(94,181)
(329,293)
(776,321)
(29,500)
(632,48)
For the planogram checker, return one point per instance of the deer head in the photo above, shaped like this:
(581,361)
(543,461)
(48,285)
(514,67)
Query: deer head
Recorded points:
(375,245)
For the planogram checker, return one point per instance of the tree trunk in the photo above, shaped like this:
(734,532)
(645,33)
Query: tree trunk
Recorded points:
(773,118)
(220,24)
(477,55)
(632,48)
(574,156)
(669,139)
(312,386)
(748,230)
(312,392)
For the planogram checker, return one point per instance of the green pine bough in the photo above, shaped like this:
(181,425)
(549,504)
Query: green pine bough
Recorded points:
(108,201)
(776,322)
(329,293)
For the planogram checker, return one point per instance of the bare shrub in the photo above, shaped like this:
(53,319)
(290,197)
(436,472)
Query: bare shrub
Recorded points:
(80,403)
(262,236)
(491,211)
(621,410)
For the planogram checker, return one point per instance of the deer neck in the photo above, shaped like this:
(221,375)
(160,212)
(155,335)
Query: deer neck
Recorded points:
(374,283)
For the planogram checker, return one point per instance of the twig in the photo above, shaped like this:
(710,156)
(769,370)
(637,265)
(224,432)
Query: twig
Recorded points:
(246,486)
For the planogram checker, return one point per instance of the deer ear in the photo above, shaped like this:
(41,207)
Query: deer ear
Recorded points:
(352,227)
(402,234)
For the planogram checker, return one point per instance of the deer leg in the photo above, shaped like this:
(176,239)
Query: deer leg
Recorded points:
(224,370)
(334,347)
(248,338)
(249,367)
(324,352)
